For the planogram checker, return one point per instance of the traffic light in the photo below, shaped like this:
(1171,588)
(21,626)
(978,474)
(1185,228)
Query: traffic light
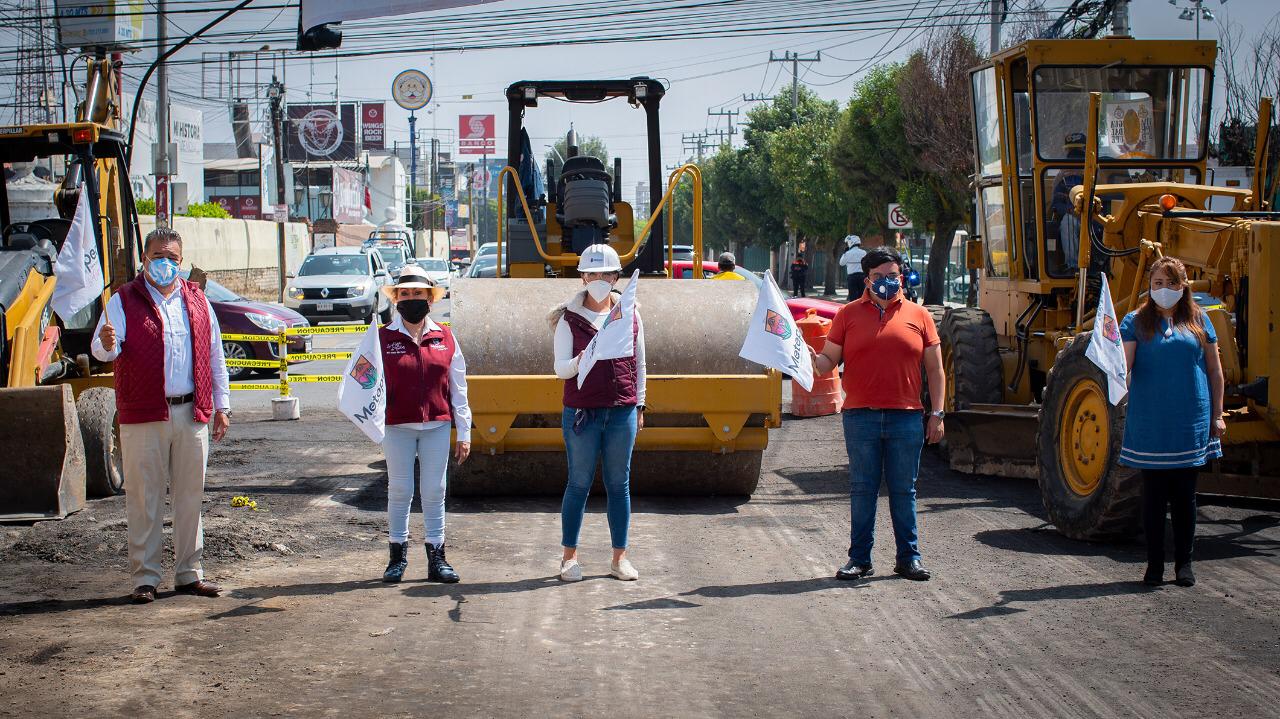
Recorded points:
(320,37)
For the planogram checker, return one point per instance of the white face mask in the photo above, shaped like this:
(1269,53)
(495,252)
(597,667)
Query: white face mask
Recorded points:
(599,289)
(1165,297)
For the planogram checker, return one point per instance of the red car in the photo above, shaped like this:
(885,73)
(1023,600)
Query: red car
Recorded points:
(239,315)
(798,305)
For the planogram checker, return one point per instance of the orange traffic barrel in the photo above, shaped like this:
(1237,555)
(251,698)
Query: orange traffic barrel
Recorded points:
(825,397)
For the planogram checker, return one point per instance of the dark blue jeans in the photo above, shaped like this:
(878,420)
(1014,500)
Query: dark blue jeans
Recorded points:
(604,436)
(883,445)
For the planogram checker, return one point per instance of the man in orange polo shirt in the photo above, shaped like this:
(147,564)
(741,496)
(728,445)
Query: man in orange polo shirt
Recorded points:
(881,340)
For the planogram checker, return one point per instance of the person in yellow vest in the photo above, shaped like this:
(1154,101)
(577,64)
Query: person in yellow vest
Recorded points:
(727,264)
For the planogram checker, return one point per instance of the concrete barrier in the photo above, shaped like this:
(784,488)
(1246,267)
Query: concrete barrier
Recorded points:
(240,254)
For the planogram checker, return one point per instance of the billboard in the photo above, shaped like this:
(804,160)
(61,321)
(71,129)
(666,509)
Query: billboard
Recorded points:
(450,214)
(186,129)
(373,125)
(243,207)
(348,196)
(322,132)
(476,135)
(110,23)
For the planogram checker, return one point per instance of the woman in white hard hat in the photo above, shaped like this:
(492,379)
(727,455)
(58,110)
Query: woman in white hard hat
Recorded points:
(426,379)
(601,418)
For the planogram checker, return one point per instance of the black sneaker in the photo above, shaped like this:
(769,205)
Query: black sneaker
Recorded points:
(912,570)
(398,563)
(853,570)
(1184,577)
(438,569)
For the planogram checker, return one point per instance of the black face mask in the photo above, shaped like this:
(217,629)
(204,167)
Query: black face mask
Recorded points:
(413,311)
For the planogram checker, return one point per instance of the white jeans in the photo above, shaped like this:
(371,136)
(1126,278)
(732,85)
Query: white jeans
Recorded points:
(431,448)
(157,456)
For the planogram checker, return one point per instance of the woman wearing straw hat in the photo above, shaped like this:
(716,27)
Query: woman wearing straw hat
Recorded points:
(602,417)
(426,379)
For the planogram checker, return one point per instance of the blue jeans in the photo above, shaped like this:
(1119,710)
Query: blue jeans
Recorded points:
(603,435)
(431,448)
(883,445)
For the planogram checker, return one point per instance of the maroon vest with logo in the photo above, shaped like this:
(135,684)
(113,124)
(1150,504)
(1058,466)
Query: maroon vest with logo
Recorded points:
(417,375)
(611,383)
(139,370)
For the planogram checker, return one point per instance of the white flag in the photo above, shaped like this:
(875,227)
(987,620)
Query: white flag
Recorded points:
(79,266)
(1105,347)
(318,12)
(774,339)
(362,394)
(617,337)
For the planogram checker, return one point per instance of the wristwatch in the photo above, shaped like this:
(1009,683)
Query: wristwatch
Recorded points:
(938,413)
(227,412)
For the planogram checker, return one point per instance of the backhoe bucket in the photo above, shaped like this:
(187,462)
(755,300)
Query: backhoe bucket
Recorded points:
(993,439)
(43,452)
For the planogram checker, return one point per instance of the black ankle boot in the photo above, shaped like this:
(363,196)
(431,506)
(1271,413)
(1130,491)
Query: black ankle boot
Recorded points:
(438,569)
(1184,577)
(398,563)
(1154,576)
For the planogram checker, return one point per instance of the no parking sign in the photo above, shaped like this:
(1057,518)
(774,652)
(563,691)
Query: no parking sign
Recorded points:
(898,219)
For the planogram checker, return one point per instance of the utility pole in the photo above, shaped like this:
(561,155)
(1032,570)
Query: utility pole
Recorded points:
(997,17)
(275,92)
(724,135)
(1120,19)
(413,173)
(795,60)
(731,114)
(756,98)
(694,141)
(160,154)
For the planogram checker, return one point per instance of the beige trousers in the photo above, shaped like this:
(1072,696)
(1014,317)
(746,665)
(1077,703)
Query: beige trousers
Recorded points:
(160,455)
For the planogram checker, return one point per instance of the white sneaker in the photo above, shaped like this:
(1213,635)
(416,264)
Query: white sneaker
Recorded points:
(623,570)
(570,571)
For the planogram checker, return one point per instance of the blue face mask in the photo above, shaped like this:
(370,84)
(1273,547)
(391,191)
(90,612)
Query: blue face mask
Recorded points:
(885,288)
(162,271)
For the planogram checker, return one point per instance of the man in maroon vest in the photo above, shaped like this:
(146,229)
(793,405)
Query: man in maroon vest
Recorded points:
(171,381)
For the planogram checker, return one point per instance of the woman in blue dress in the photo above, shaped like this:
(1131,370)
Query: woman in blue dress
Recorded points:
(1174,423)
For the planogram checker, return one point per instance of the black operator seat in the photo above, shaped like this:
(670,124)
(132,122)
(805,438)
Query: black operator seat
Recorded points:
(584,192)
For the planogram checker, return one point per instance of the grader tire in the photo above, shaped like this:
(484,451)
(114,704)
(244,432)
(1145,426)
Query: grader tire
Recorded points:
(971,356)
(96,408)
(1087,495)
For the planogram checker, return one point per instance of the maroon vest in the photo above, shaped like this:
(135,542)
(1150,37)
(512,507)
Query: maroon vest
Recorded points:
(611,383)
(417,375)
(139,369)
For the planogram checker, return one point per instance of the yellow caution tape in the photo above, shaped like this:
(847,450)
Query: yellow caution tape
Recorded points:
(251,338)
(328,330)
(244,502)
(276,387)
(305,356)
(314,378)
(266,364)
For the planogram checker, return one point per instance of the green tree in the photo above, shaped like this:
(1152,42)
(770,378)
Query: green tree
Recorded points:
(207,209)
(869,150)
(590,146)
(145,205)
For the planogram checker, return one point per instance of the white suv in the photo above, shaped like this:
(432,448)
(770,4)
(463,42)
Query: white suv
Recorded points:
(339,284)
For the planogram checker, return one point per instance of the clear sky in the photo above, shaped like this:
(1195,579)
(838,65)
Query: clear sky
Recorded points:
(703,74)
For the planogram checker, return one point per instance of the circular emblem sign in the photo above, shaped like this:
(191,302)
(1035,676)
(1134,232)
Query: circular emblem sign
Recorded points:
(411,89)
(320,132)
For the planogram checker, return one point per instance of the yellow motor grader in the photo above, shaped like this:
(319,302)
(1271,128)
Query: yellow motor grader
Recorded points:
(708,410)
(58,429)
(1091,158)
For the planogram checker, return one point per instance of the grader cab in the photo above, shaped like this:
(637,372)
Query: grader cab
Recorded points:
(1091,158)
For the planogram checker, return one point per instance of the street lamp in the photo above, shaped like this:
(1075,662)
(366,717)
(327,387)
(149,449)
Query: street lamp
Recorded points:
(1196,11)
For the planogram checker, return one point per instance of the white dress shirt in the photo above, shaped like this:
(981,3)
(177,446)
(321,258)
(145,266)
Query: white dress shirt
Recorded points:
(566,362)
(457,384)
(179,378)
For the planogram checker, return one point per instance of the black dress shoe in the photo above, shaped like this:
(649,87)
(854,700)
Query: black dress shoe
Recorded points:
(1154,576)
(438,569)
(912,570)
(398,563)
(853,570)
(1184,577)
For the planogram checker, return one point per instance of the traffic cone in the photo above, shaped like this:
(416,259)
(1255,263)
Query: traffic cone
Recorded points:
(825,397)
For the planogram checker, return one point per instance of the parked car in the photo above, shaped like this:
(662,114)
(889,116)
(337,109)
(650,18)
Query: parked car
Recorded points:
(484,267)
(340,284)
(394,253)
(440,271)
(240,315)
(797,305)
(682,253)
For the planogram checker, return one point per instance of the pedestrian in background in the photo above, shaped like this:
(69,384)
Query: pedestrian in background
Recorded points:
(600,419)
(1174,421)
(171,383)
(799,273)
(851,260)
(882,341)
(426,377)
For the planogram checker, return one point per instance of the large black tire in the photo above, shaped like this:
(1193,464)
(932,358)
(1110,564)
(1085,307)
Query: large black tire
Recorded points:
(1086,493)
(971,355)
(96,408)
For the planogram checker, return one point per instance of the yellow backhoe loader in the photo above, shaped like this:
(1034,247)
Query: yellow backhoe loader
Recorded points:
(709,410)
(58,431)
(1091,158)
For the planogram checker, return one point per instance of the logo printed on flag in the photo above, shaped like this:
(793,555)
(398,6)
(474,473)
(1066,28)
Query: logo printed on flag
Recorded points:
(1110,329)
(775,324)
(364,372)
(362,394)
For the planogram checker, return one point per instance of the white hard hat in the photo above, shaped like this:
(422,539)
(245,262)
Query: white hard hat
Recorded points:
(852,240)
(599,258)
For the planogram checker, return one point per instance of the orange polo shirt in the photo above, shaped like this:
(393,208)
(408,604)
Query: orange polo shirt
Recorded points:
(882,352)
